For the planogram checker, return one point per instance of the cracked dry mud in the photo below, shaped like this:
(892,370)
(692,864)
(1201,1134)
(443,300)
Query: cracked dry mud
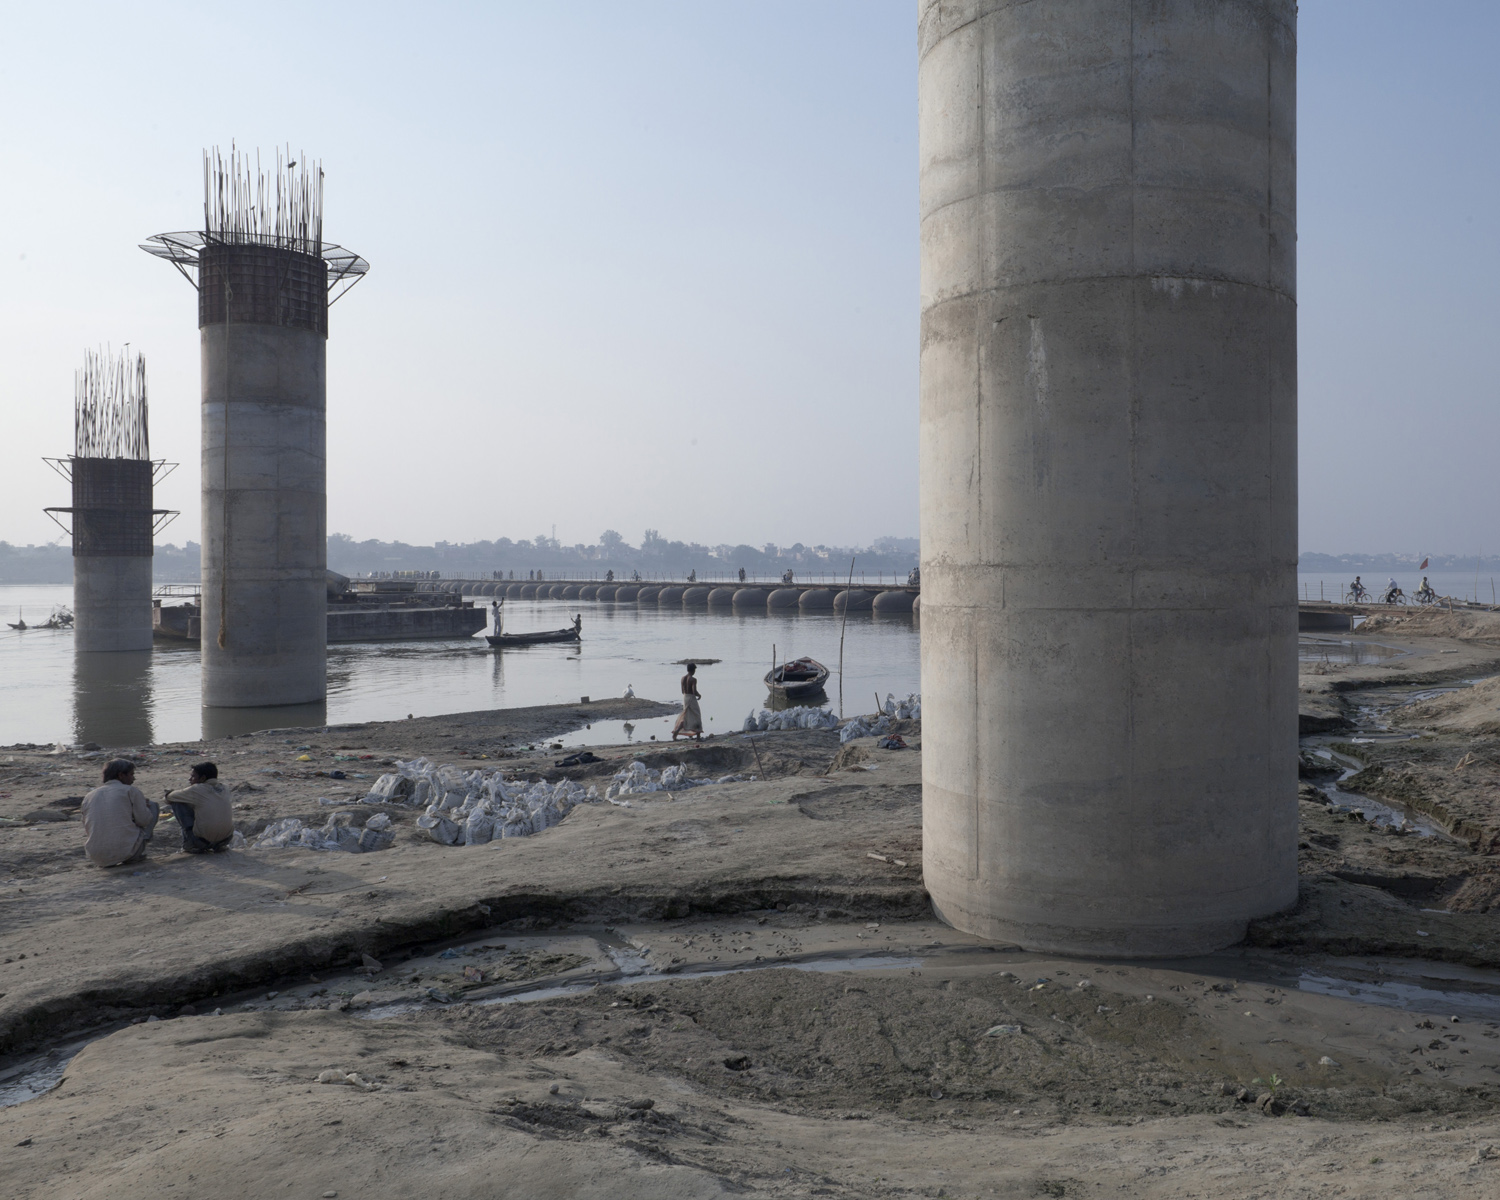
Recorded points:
(735,991)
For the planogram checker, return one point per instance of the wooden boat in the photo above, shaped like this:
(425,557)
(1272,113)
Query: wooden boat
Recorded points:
(574,633)
(19,622)
(799,679)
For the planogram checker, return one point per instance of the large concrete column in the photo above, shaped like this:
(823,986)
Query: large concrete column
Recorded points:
(1108,458)
(112,521)
(265,606)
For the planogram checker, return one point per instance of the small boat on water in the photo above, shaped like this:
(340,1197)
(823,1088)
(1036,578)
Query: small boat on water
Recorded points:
(19,622)
(800,679)
(574,633)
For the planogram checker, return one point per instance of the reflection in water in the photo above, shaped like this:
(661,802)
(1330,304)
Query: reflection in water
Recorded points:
(227,722)
(112,699)
(1337,650)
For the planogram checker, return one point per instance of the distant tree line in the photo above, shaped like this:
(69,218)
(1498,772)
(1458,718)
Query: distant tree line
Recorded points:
(54,563)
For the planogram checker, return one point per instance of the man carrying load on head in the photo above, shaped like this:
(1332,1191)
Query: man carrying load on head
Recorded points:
(117,818)
(203,811)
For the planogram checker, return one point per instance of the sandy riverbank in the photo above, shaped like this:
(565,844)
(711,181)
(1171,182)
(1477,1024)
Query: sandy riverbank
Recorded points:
(912,1061)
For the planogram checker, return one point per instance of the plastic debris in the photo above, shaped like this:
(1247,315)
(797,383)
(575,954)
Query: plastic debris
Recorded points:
(348,1079)
(1001,1030)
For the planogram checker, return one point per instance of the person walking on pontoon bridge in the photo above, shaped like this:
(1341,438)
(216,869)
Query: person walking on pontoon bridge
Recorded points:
(204,812)
(118,820)
(690,723)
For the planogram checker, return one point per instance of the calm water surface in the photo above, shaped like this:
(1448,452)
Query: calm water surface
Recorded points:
(48,694)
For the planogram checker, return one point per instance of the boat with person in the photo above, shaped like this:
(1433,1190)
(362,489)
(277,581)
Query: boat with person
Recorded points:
(574,633)
(799,679)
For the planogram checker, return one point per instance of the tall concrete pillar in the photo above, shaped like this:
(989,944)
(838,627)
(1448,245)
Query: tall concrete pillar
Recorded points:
(1108,462)
(263,274)
(265,541)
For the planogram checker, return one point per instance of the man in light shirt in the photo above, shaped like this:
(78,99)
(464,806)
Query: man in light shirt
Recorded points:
(204,812)
(118,820)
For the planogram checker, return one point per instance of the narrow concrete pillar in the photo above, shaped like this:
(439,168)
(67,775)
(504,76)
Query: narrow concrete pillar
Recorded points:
(1108,469)
(265,545)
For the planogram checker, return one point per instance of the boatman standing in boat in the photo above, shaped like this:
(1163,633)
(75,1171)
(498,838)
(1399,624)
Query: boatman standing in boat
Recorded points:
(495,615)
(690,723)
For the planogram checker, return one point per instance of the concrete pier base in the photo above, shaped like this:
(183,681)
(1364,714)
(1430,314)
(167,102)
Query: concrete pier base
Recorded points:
(1108,462)
(265,543)
(111,603)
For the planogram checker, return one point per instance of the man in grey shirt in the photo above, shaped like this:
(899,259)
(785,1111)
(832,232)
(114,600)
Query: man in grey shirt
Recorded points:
(117,818)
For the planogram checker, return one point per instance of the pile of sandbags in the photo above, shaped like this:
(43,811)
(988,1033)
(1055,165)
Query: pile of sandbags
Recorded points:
(340,833)
(801,717)
(638,778)
(470,808)
(909,709)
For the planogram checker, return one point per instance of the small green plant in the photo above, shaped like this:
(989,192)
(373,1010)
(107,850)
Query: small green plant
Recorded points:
(1272,1083)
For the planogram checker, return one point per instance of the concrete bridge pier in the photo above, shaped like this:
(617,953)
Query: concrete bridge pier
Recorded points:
(1108,469)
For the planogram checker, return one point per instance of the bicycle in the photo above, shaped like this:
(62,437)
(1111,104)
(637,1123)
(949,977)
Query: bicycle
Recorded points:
(1427,596)
(1357,596)
(1395,596)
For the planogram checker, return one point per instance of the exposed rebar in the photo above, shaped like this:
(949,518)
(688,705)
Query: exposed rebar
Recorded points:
(109,406)
(282,208)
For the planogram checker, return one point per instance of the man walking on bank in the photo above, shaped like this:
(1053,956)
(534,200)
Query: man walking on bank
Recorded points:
(690,723)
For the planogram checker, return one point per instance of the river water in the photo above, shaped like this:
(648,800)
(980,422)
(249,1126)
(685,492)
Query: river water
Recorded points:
(49,694)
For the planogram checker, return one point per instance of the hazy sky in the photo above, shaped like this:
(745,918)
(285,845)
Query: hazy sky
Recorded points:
(655,264)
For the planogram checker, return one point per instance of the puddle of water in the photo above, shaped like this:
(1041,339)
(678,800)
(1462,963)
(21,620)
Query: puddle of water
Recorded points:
(633,969)
(1341,650)
(1391,993)
(39,1076)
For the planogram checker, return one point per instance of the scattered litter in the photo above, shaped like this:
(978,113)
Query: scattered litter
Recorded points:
(379,821)
(1001,1030)
(473,975)
(304,758)
(577,760)
(370,964)
(893,741)
(449,953)
(348,1079)
(1325,1061)
(879,857)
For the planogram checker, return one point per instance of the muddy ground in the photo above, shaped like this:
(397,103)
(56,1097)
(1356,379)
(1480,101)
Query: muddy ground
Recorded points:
(739,989)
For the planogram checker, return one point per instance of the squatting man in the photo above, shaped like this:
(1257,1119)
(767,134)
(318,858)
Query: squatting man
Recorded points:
(118,820)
